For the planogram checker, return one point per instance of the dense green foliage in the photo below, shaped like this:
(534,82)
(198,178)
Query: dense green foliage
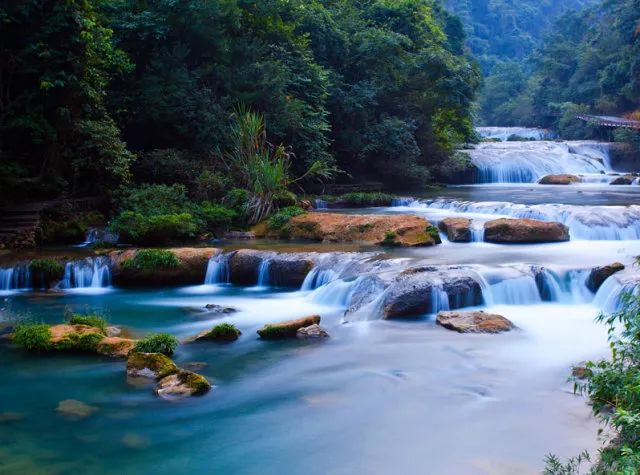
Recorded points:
(157,343)
(589,63)
(32,336)
(612,386)
(380,88)
(282,217)
(150,259)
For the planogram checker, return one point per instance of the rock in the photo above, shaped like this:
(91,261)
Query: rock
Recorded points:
(285,269)
(182,384)
(456,229)
(474,322)
(223,333)
(522,231)
(580,372)
(115,347)
(599,274)
(288,329)
(306,205)
(415,291)
(311,332)
(239,235)
(75,338)
(62,331)
(74,409)
(190,271)
(150,365)
(8,417)
(400,230)
(559,180)
(623,180)
(213,308)
(114,331)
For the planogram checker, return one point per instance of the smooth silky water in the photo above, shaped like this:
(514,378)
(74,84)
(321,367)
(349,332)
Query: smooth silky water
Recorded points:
(377,397)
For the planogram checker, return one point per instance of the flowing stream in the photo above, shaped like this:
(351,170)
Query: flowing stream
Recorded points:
(379,396)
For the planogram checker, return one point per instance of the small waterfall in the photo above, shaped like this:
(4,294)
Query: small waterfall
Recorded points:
(263,273)
(335,293)
(96,235)
(317,278)
(320,204)
(439,299)
(218,271)
(13,278)
(92,272)
(527,162)
(519,291)
(397,202)
(610,296)
(504,133)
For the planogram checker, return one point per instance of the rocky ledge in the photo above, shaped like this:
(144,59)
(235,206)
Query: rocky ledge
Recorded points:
(474,322)
(599,274)
(456,229)
(524,231)
(559,180)
(400,230)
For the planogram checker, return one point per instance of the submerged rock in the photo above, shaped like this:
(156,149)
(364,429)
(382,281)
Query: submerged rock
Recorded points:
(400,230)
(311,332)
(115,347)
(559,180)
(150,365)
(623,180)
(599,274)
(288,329)
(74,409)
(474,322)
(513,231)
(456,229)
(213,308)
(182,384)
(114,331)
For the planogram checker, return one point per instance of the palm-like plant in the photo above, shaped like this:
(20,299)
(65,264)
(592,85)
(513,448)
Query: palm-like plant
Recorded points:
(263,168)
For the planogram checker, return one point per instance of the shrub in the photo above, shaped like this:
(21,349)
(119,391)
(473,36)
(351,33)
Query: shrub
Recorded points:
(46,271)
(237,198)
(154,200)
(223,332)
(149,259)
(62,226)
(216,217)
(389,239)
(434,233)
(210,185)
(364,199)
(157,343)
(95,321)
(33,336)
(157,229)
(80,342)
(282,217)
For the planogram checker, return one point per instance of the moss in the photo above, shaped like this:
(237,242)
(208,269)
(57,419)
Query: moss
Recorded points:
(363,228)
(93,320)
(157,343)
(223,332)
(150,259)
(33,336)
(79,342)
(196,382)
(159,364)
(389,239)
(46,270)
(434,233)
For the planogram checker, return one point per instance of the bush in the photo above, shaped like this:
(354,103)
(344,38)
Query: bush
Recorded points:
(154,200)
(90,320)
(157,343)
(157,229)
(210,185)
(216,217)
(434,233)
(282,217)
(62,226)
(149,259)
(223,332)
(367,199)
(33,336)
(46,271)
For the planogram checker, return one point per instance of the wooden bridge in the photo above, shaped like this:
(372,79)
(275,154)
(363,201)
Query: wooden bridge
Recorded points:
(609,121)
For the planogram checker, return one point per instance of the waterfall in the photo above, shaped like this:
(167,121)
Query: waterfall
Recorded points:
(610,295)
(317,278)
(439,299)
(402,201)
(218,271)
(95,235)
(263,273)
(504,133)
(335,293)
(527,162)
(13,278)
(519,291)
(320,204)
(92,272)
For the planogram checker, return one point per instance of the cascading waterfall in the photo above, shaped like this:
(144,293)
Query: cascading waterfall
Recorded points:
(335,293)
(94,272)
(527,162)
(218,271)
(13,278)
(439,299)
(263,273)
(504,133)
(610,296)
(585,222)
(95,235)
(320,204)
(317,278)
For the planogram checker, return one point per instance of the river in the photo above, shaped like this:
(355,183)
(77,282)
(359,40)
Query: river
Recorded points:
(380,396)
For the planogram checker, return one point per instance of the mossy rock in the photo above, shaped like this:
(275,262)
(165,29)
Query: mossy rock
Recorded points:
(115,347)
(182,384)
(75,338)
(288,329)
(150,365)
(221,333)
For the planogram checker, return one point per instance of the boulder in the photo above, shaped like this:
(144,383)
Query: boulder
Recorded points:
(513,231)
(114,331)
(417,291)
(559,180)
(182,384)
(474,322)
(223,333)
(63,331)
(115,347)
(288,329)
(191,270)
(623,180)
(599,274)
(150,365)
(312,332)
(456,229)
(75,338)
(285,269)
(399,230)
